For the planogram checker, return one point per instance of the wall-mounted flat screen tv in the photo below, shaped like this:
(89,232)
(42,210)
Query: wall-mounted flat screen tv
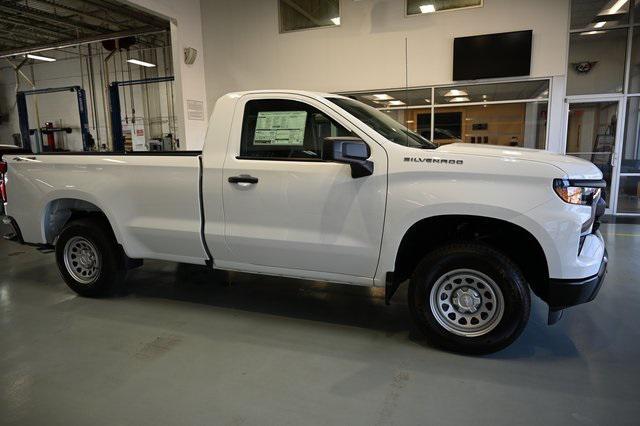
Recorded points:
(492,55)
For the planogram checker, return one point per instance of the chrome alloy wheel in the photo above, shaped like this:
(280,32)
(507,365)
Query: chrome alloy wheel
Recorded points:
(467,302)
(81,260)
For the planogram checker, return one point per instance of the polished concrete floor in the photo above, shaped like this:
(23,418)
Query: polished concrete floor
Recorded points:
(181,349)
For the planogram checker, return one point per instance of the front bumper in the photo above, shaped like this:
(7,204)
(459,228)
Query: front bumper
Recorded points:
(562,294)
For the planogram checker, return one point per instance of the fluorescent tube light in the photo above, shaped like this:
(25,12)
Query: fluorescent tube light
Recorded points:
(592,32)
(456,92)
(599,24)
(336,20)
(617,6)
(141,63)
(40,58)
(427,8)
(459,99)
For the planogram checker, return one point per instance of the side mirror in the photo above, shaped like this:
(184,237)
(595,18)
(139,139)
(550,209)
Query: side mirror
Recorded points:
(349,150)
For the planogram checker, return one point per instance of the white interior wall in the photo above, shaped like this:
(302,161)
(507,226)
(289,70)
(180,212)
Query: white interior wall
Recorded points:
(244,49)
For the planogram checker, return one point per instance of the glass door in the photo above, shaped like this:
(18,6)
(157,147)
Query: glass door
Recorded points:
(592,134)
(629,163)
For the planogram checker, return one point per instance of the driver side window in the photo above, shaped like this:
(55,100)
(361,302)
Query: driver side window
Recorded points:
(285,129)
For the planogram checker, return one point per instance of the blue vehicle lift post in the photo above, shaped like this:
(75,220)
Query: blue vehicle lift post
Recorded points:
(116,112)
(23,114)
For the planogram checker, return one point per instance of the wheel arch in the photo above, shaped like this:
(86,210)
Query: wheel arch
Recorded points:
(57,212)
(519,244)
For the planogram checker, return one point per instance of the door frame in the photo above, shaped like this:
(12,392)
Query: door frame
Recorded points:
(618,140)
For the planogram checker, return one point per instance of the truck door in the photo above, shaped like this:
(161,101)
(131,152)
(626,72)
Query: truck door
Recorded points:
(284,207)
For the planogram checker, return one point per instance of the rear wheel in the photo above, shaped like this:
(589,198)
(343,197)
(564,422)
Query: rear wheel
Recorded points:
(469,298)
(89,259)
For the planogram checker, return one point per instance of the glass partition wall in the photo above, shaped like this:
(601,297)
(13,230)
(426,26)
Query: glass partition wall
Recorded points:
(603,95)
(506,114)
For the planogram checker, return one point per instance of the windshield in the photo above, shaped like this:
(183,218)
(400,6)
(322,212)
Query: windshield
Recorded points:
(383,124)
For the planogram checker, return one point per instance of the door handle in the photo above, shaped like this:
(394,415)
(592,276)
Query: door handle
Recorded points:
(243,179)
(23,158)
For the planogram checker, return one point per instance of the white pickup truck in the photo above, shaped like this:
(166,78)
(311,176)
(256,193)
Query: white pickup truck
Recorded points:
(322,187)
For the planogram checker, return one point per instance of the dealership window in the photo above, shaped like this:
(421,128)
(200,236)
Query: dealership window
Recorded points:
(629,187)
(506,114)
(634,63)
(305,14)
(603,83)
(596,61)
(283,129)
(590,14)
(417,7)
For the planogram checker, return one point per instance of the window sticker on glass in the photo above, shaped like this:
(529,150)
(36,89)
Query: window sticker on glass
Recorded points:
(280,128)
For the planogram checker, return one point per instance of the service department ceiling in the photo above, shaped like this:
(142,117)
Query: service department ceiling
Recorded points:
(36,25)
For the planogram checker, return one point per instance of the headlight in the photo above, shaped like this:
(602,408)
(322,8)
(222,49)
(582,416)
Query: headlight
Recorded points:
(580,192)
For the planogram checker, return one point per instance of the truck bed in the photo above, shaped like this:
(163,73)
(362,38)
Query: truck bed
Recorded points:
(151,198)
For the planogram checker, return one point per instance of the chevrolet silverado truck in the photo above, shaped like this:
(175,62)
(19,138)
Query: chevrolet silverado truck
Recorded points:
(322,187)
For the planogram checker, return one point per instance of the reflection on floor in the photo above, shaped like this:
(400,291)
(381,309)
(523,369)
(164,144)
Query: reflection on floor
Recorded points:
(180,348)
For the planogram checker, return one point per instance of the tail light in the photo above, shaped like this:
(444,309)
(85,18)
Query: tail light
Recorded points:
(3,167)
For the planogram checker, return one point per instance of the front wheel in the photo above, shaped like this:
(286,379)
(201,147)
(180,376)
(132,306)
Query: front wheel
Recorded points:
(89,259)
(469,298)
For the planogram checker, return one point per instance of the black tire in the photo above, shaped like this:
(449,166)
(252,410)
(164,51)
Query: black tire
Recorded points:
(111,273)
(475,257)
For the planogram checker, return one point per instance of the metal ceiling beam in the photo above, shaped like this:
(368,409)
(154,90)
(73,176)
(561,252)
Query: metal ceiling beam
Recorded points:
(10,40)
(128,12)
(39,38)
(61,20)
(78,41)
(84,14)
(35,25)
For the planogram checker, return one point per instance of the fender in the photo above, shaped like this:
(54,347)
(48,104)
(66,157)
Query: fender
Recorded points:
(391,240)
(72,194)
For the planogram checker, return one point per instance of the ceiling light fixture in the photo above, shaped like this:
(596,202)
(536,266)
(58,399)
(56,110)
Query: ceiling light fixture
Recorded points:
(427,8)
(40,58)
(382,97)
(396,103)
(459,99)
(456,92)
(592,32)
(336,20)
(617,6)
(141,63)
(600,24)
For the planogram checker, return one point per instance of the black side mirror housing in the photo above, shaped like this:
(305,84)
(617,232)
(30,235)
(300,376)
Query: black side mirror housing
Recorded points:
(349,150)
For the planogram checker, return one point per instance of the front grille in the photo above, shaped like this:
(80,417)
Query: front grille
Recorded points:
(598,208)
